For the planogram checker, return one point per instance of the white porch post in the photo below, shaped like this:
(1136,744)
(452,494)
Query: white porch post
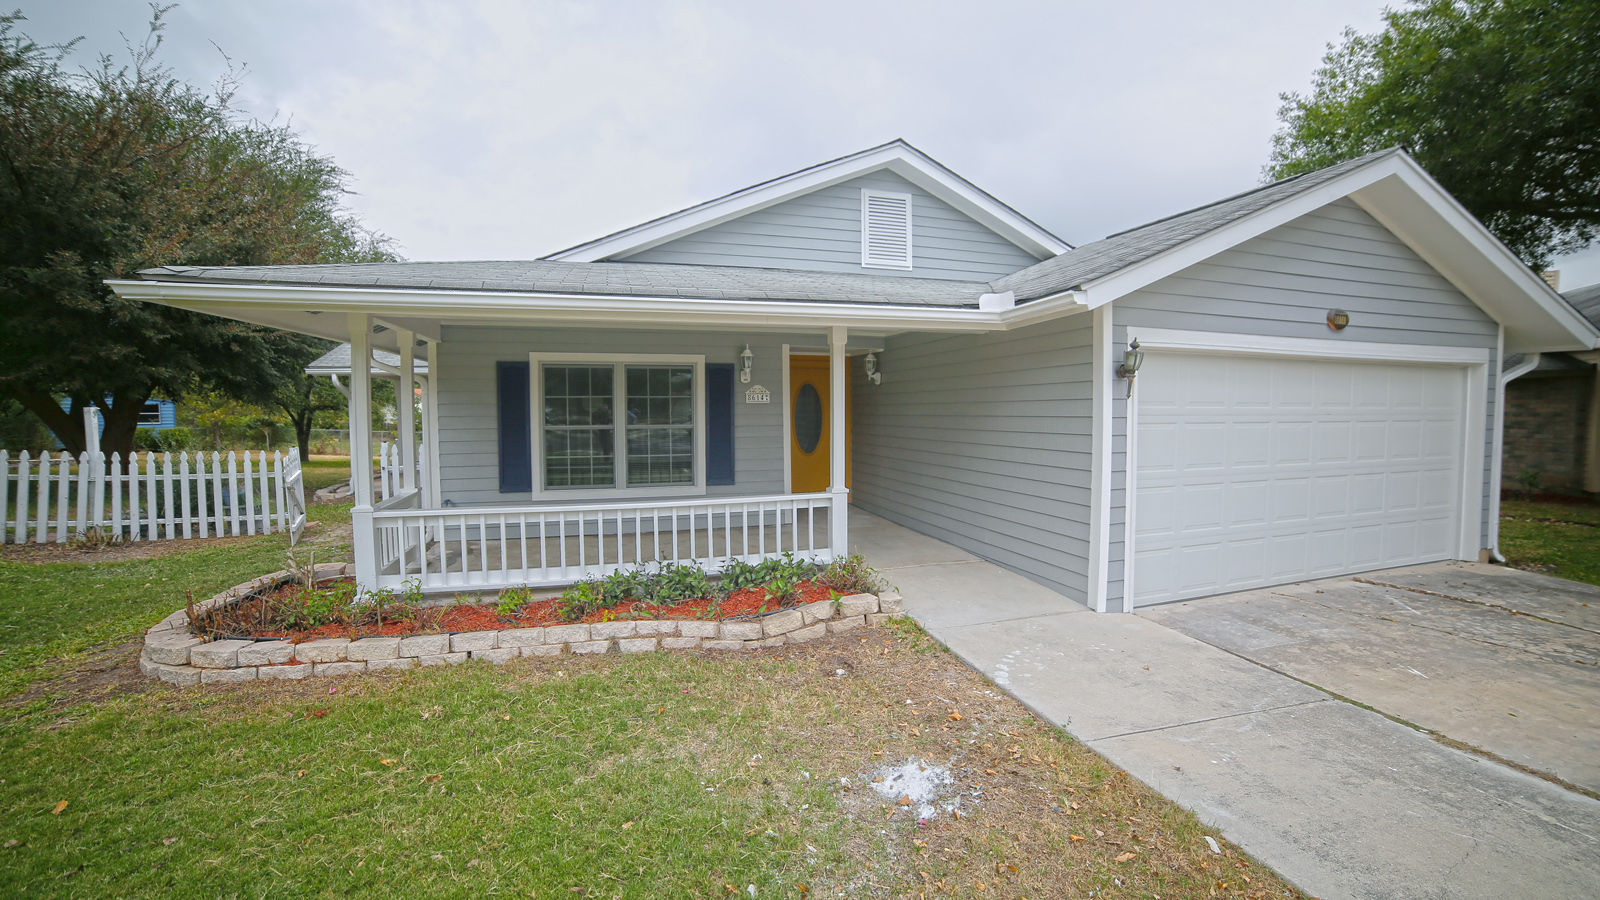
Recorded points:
(363,539)
(430,425)
(839,514)
(405,409)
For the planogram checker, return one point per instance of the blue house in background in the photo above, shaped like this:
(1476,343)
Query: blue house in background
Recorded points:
(157,415)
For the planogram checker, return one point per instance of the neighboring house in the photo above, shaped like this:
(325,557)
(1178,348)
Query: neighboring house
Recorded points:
(1552,440)
(1320,389)
(156,415)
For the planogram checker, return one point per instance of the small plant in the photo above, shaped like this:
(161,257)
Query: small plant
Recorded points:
(304,575)
(623,584)
(1529,479)
(852,575)
(511,600)
(581,599)
(95,538)
(784,588)
(677,583)
(314,607)
(738,575)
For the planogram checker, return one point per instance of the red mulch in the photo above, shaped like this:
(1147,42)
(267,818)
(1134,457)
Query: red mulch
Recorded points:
(464,617)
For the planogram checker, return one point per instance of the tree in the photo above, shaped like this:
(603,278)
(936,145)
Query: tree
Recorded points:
(112,169)
(302,396)
(1498,99)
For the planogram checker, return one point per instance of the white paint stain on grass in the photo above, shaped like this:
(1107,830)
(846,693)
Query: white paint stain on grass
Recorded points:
(930,788)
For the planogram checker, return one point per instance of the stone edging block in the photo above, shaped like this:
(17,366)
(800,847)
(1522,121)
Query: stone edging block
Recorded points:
(173,655)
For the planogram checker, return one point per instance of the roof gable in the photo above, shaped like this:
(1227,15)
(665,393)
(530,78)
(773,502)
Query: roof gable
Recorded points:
(896,156)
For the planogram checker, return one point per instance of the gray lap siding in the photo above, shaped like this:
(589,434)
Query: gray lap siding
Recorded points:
(983,441)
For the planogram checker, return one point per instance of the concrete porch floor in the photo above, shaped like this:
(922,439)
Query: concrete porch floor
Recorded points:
(1338,799)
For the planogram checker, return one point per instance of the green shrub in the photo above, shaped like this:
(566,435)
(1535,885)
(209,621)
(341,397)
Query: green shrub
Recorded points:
(167,440)
(623,584)
(676,583)
(784,588)
(314,607)
(580,600)
(852,575)
(738,575)
(511,600)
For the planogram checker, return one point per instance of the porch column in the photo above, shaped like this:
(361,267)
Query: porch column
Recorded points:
(361,451)
(430,427)
(839,515)
(405,410)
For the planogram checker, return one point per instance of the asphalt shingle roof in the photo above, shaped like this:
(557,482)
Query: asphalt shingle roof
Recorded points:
(1096,260)
(602,278)
(337,361)
(1586,300)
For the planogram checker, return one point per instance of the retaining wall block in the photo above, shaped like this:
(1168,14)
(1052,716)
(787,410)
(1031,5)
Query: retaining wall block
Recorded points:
(846,624)
(521,637)
(566,634)
(172,649)
(425,645)
(637,645)
(498,656)
(697,628)
(740,631)
(284,673)
(373,648)
(474,641)
(857,605)
(227,676)
(327,650)
(339,668)
(781,622)
(266,653)
(217,654)
(605,631)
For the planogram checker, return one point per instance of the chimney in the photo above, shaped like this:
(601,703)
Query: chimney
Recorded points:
(1552,277)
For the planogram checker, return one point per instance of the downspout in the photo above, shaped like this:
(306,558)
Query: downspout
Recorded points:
(1528,364)
(334,377)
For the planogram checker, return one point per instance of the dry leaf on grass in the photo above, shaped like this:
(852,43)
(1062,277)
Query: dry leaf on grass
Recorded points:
(1125,856)
(59,807)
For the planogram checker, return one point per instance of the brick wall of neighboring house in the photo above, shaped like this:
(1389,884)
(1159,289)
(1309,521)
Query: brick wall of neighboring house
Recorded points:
(1546,420)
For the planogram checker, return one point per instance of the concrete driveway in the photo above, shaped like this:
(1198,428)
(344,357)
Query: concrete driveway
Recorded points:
(1338,799)
(1503,661)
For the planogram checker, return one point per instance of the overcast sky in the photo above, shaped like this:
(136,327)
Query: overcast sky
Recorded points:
(493,129)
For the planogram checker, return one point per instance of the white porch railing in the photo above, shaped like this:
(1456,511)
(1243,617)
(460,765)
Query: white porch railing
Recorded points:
(57,498)
(495,547)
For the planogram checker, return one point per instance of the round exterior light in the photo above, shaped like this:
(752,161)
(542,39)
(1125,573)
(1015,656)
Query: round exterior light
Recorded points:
(1338,319)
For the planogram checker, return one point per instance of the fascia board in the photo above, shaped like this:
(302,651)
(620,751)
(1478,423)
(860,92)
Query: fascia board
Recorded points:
(233,301)
(899,158)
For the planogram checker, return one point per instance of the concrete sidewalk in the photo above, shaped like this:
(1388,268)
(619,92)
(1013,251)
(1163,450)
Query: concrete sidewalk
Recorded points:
(1337,799)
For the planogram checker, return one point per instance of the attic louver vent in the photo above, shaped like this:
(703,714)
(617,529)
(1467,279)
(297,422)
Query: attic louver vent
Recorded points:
(885,230)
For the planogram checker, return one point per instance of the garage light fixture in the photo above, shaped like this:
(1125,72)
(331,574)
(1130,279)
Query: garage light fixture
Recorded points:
(746,360)
(1132,359)
(870,366)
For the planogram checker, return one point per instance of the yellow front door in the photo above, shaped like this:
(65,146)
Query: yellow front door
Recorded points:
(811,424)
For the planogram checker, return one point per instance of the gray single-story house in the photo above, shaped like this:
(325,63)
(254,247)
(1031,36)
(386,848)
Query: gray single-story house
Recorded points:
(1301,380)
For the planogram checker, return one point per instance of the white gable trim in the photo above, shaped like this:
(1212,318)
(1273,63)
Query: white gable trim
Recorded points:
(1406,200)
(896,156)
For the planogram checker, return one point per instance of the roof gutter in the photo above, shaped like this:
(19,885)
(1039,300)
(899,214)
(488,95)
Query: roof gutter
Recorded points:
(602,309)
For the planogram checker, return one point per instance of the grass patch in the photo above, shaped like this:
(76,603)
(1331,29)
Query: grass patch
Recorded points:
(633,776)
(53,612)
(1557,539)
(323,471)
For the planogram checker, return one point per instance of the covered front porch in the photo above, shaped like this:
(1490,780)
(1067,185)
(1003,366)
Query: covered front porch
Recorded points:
(448,512)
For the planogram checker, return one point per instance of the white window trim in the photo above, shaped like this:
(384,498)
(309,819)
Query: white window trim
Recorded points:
(536,363)
(868,263)
(1474,365)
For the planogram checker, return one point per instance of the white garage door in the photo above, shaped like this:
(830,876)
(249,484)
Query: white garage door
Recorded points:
(1253,470)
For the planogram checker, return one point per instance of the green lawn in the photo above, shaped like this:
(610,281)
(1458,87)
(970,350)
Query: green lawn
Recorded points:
(320,472)
(1556,538)
(51,613)
(660,775)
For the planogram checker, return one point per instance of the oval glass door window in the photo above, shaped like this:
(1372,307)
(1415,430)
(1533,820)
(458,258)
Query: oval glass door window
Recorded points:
(807,418)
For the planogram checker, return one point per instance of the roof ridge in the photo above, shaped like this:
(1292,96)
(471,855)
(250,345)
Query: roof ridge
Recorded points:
(1255,190)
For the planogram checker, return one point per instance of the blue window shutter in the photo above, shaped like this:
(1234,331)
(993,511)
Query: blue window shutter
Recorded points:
(516,438)
(719,423)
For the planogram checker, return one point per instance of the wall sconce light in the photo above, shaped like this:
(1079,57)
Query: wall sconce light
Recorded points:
(870,366)
(1132,359)
(746,360)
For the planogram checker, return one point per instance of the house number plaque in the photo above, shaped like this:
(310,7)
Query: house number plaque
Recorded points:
(757,394)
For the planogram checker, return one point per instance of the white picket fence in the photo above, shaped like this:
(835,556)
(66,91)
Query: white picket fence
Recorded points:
(391,469)
(56,498)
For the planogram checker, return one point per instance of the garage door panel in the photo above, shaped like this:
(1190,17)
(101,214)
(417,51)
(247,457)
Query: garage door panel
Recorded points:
(1261,470)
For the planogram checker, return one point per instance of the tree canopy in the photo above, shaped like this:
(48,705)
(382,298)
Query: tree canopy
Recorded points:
(117,167)
(1498,99)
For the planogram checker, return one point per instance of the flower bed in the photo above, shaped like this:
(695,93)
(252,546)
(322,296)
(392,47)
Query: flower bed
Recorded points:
(644,613)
